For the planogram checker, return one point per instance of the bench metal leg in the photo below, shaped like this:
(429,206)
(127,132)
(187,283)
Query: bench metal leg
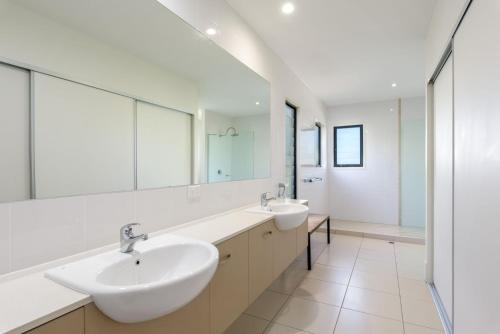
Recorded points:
(309,265)
(328,229)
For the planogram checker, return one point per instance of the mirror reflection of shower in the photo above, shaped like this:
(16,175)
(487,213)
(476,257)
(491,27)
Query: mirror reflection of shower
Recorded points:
(234,134)
(230,155)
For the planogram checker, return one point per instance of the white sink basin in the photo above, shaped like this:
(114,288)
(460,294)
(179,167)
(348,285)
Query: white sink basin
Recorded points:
(287,215)
(162,275)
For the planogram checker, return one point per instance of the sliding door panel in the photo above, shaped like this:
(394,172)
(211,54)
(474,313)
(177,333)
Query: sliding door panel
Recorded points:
(477,170)
(164,153)
(84,139)
(14,134)
(443,185)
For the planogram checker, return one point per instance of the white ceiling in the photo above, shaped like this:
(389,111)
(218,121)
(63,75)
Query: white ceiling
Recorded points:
(347,51)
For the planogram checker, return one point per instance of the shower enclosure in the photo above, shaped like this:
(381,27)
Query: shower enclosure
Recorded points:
(230,155)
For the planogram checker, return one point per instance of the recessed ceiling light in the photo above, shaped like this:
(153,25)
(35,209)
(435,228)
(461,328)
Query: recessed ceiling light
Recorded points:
(288,8)
(211,31)
(257,103)
(394,84)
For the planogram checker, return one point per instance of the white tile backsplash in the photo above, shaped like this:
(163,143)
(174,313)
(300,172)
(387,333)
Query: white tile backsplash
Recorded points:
(154,209)
(45,230)
(4,238)
(105,215)
(39,231)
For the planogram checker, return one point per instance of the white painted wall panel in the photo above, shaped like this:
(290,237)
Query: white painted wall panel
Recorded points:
(164,151)
(369,193)
(84,139)
(14,134)
(477,170)
(413,162)
(443,185)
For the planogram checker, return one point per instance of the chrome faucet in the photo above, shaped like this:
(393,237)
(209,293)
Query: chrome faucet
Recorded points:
(128,239)
(264,200)
(281,190)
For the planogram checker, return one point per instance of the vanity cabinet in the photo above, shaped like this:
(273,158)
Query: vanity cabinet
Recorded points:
(72,322)
(229,287)
(284,250)
(260,258)
(302,241)
(248,264)
(193,318)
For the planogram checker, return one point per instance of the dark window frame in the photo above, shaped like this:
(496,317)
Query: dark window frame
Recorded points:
(361,145)
(295,111)
(318,125)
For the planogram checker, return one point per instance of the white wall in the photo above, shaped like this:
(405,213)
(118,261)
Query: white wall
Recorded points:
(413,162)
(91,221)
(369,193)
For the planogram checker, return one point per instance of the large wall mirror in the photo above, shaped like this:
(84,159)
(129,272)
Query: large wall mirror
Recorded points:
(119,95)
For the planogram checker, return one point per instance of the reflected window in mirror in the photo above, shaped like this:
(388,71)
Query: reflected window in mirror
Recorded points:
(310,146)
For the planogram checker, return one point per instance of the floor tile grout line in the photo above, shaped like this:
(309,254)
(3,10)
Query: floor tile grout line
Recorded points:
(346,290)
(399,288)
(282,306)
(371,314)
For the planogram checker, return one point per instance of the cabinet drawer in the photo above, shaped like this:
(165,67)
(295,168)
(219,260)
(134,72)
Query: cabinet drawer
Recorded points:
(193,318)
(284,249)
(260,259)
(72,322)
(229,287)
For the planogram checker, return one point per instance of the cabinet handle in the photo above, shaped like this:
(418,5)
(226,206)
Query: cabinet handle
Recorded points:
(225,258)
(267,234)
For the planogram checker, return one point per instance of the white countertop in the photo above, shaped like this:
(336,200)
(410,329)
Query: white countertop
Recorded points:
(30,300)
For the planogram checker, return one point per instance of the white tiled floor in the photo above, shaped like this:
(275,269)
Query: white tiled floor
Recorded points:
(357,286)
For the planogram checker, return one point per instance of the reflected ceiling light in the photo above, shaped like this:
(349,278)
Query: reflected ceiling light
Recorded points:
(288,8)
(394,85)
(257,103)
(211,31)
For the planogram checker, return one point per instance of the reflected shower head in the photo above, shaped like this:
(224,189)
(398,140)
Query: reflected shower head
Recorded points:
(234,134)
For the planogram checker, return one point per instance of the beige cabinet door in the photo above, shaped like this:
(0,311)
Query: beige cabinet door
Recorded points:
(302,238)
(72,322)
(260,258)
(229,287)
(193,318)
(284,249)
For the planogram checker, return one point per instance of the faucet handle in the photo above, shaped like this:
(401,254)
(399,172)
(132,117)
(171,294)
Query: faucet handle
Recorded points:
(127,231)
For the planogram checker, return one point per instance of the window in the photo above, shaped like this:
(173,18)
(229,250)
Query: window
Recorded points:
(291,149)
(310,146)
(348,146)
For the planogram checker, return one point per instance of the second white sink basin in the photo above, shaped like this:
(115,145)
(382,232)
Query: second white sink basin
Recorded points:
(162,275)
(287,215)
